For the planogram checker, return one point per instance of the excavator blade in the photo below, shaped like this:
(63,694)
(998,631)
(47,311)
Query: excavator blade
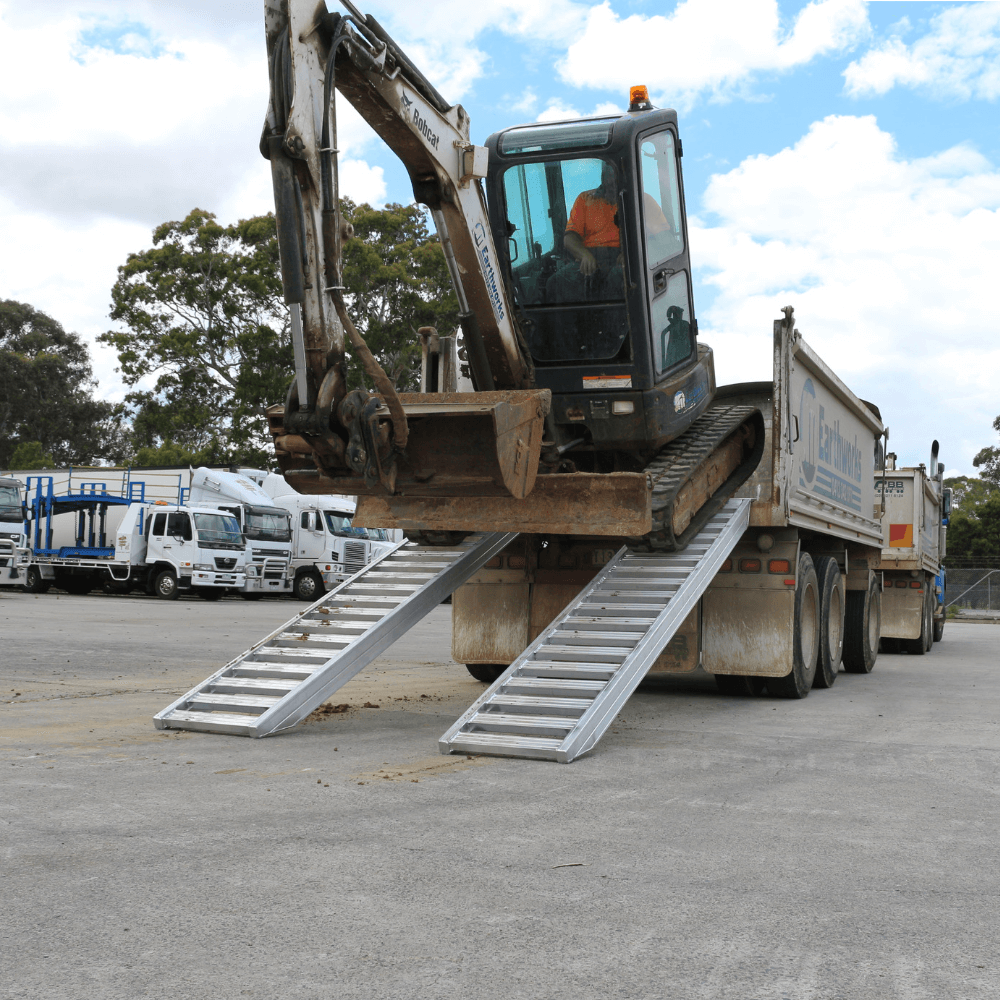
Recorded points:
(461,444)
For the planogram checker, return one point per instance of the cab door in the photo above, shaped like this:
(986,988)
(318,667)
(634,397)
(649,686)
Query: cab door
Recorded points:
(311,536)
(665,253)
(158,544)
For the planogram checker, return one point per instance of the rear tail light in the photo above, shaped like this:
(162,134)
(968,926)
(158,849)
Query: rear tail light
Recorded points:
(726,567)
(516,562)
(779,566)
(915,585)
(494,563)
(749,565)
(901,584)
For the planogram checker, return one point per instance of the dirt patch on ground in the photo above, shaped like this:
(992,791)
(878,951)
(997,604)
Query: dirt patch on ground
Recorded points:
(420,770)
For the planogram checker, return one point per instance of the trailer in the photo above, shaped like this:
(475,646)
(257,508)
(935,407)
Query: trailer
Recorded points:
(163,548)
(918,507)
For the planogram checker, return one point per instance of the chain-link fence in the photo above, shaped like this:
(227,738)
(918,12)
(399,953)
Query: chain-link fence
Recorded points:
(976,589)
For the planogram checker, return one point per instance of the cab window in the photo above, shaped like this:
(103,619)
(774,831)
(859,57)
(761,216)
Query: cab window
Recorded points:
(179,526)
(661,203)
(159,523)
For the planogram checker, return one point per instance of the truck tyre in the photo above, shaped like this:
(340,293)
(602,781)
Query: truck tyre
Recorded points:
(862,628)
(33,582)
(739,686)
(930,617)
(486,672)
(308,585)
(831,621)
(165,586)
(938,629)
(805,641)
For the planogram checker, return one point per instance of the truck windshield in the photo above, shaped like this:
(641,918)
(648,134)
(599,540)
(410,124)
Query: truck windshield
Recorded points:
(218,530)
(339,524)
(267,524)
(10,504)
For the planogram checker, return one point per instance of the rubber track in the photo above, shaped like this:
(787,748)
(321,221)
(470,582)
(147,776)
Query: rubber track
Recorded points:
(677,462)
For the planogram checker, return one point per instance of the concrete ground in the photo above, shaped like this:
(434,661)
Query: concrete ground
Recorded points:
(844,846)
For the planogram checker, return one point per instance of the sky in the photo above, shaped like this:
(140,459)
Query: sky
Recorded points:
(839,156)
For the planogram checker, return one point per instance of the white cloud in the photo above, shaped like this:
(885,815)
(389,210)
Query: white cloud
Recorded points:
(959,57)
(890,264)
(706,47)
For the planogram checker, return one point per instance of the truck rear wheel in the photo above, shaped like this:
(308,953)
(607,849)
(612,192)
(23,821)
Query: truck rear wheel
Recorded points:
(862,628)
(938,629)
(486,672)
(805,642)
(308,586)
(33,582)
(831,621)
(165,586)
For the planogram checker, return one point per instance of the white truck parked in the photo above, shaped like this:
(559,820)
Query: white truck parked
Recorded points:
(326,549)
(161,547)
(13,543)
(917,509)
(267,527)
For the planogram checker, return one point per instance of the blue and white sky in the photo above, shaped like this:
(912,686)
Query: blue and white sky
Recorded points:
(841,156)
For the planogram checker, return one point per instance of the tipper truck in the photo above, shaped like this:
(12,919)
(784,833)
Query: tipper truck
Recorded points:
(917,509)
(597,506)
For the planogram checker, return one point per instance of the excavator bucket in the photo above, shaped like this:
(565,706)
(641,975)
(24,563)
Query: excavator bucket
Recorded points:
(461,444)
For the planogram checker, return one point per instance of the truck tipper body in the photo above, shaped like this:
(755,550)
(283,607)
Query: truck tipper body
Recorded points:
(267,527)
(326,548)
(813,527)
(162,548)
(13,541)
(917,509)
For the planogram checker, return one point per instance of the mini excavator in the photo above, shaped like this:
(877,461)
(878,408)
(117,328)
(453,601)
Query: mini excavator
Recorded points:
(593,410)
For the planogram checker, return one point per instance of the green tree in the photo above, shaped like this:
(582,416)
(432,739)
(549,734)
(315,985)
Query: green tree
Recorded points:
(396,281)
(988,459)
(203,316)
(31,455)
(46,392)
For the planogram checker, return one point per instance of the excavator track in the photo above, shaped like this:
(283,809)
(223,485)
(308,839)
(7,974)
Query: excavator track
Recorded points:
(694,475)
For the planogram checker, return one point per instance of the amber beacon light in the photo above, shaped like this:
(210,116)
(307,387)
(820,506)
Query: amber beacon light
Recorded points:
(638,98)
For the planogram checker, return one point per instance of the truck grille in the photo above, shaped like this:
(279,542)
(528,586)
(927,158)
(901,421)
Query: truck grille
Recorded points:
(221,563)
(354,556)
(274,569)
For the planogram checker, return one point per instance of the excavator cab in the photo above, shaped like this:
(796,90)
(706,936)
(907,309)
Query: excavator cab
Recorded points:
(589,222)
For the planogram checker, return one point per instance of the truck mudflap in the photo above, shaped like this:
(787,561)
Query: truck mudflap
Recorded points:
(485,444)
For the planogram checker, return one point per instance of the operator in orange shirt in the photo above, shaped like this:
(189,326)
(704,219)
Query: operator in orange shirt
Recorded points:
(593,239)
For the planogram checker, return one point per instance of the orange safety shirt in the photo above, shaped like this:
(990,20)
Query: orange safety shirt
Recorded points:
(593,220)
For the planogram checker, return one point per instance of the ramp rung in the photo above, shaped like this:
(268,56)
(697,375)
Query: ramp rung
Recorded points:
(580,671)
(326,644)
(559,705)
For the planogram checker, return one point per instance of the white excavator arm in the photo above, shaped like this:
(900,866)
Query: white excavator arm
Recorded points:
(312,52)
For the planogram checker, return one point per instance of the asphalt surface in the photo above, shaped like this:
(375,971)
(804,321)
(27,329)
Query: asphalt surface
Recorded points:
(844,846)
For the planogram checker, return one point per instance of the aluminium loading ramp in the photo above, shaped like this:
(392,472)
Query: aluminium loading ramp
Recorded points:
(280,680)
(557,699)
